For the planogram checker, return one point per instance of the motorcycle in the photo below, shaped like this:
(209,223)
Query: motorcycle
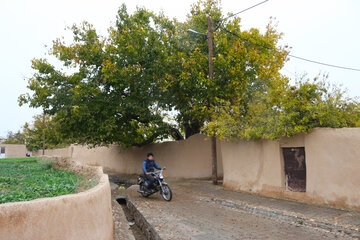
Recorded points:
(159,185)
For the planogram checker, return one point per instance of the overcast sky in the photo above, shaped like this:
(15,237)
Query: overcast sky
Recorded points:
(321,30)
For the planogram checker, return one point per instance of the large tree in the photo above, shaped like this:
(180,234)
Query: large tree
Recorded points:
(112,95)
(245,62)
(125,87)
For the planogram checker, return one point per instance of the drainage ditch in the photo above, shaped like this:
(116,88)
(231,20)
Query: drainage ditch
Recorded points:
(140,227)
(136,230)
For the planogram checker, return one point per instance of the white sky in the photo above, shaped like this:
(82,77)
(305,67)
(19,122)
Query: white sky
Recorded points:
(322,30)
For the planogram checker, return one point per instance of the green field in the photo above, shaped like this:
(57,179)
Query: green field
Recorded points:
(22,179)
(17,160)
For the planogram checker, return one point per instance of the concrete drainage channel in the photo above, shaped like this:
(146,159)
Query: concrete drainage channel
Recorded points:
(141,229)
(354,233)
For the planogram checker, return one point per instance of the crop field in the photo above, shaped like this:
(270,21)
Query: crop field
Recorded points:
(24,179)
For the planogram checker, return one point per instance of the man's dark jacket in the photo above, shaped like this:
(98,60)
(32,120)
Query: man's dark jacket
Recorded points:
(149,165)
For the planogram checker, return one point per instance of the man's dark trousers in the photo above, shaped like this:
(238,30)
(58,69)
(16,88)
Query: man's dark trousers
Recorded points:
(151,179)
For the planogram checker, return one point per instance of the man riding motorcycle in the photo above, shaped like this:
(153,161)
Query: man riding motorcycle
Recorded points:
(148,167)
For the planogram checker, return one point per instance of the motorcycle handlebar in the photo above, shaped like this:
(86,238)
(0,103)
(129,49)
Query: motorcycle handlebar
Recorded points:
(159,171)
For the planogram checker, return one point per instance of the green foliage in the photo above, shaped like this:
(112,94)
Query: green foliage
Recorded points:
(28,181)
(112,96)
(48,164)
(123,85)
(18,160)
(243,64)
(15,138)
(287,110)
(33,134)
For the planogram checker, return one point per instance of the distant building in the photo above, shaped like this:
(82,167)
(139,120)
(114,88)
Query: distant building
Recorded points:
(2,140)
(12,150)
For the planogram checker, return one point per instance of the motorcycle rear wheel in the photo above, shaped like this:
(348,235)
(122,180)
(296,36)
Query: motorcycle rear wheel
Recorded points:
(166,193)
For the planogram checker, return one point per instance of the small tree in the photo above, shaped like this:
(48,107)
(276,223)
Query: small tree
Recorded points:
(33,134)
(14,138)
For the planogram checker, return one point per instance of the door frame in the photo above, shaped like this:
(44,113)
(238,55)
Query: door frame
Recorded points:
(283,172)
(2,155)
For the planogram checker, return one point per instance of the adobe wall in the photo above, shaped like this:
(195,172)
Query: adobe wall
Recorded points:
(252,166)
(332,166)
(15,150)
(86,215)
(63,152)
(332,163)
(190,158)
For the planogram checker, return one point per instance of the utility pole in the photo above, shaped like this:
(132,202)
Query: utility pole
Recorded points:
(211,75)
(43,135)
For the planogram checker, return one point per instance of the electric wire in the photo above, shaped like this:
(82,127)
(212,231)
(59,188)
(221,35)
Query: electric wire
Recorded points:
(232,15)
(325,64)
(290,55)
(293,56)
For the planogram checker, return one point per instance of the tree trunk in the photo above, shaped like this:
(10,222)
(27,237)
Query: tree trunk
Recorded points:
(43,135)
(214,160)
(192,128)
(211,75)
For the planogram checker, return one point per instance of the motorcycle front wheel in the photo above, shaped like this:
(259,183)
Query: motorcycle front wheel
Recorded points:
(166,193)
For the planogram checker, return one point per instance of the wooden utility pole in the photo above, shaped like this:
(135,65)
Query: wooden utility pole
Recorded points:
(43,135)
(211,75)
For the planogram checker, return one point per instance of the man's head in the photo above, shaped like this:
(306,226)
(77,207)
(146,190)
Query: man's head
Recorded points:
(150,156)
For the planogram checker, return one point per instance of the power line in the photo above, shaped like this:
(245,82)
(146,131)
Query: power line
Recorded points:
(325,64)
(293,56)
(232,15)
(290,55)
(245,10)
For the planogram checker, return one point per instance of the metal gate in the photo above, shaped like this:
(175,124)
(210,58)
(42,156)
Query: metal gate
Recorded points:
(295,169)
